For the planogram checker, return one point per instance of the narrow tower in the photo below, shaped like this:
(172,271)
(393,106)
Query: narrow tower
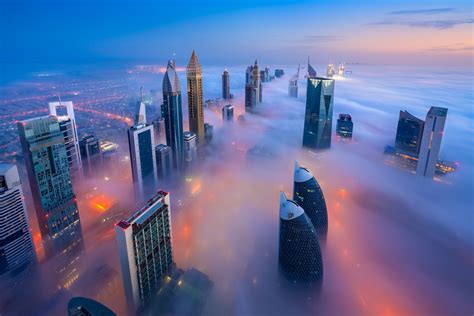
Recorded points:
(195,98)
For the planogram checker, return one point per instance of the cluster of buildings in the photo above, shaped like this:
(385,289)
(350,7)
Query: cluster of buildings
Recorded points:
(331,71)
(253,87)
(303,224)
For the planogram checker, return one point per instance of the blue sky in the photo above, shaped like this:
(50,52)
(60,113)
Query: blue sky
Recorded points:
(235,31)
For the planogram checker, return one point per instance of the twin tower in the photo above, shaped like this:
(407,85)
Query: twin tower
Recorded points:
(302,220)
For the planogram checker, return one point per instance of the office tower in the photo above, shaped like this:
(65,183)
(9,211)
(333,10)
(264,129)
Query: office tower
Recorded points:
(225,85)
(91,154)
(146,255)
(293,87)
(341,71)
(159,128)
(330,72)
(431,141)
(16,245)
(267,74)
(279,73)
(164,160)
(47,166)
(82,306)
(228,112)
(141,142)
(311,72)
(308,194)
(209,130)
(318,116)
(344,125)
(195,100)
(299,254)
(190,151)
(263,77)
(409,133)
(173,114)
(64,111)
(253,87)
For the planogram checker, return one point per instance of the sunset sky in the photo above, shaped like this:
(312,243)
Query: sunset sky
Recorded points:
(224,32)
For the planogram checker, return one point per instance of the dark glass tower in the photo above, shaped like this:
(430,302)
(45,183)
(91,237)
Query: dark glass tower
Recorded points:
(308,194)
(173,113)
(299,256)
(318,116)
(409,133)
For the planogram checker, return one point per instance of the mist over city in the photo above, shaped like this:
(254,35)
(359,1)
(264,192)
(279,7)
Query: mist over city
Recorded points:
(295,184)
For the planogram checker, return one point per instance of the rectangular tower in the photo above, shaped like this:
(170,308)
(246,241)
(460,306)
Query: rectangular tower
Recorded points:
(228,112)
(318,115)
(225,85)
(91,154)
(164,160)
(195,97)
(431,141)
(190,150)
(145,249)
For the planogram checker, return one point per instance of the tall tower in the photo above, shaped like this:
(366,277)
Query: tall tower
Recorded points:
(64,111)
(299,254)
(141,141)
(16,245)
(311,72)
(47,166)
(293,85)
(190,150)
(318,115)
(308,194)
(195,99)
(253,87)
(145,249)
(409,133)
(431,141)
(225,85)
(173,114)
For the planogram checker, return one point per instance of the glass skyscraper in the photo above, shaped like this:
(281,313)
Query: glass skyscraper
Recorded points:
(195,97)
(344,126)
(308,194)
(318,116)
(225,85)
(145,250)
(299,256)
(16,245)
(173,114)
(409,133)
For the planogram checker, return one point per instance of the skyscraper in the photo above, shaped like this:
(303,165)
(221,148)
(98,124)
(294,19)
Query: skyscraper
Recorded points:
(279,73)
(141,142)
(409,133)
(253,87)
(228,112)
(91,153)
(431,141)
(190,150)
(311,72)
(299,254)
(64,111)
(164,160)
(225,85)
(195,99)
(47,166)
(16,245)
(344,126)
(145,249)
(293,84)
(330,72)
(308,194)
(173,114)
(318,115)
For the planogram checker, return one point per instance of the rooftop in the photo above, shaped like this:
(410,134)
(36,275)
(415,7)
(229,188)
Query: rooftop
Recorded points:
(288,208)
(301,174)
(434,110)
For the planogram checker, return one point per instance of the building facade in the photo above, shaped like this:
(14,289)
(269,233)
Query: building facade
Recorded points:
(16,245)
(173,114)
(190,148)
(195,97)
(299,253)
(344,126)
(409,133)
(228,112)
(226,85)
(253,87)
(145,249)
(318,116)
(431,141)
(91,154)
(164,161)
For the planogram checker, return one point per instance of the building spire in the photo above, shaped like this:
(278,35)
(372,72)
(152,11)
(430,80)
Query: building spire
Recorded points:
(141,112)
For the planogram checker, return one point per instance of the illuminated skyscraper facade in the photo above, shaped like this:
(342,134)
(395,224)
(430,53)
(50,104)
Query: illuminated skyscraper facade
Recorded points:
(195,98)
(409,133)
(299,254)
(431,141)
(173,114)
(145,249)
(308,194)
(318,116)
(253,87)
(225,85)
(16,245)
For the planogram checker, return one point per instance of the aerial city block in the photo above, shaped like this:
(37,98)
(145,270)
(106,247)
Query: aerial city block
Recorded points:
(214,163)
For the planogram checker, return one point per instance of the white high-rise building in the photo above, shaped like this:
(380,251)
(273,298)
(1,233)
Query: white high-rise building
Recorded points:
(431,141)
(190,149)
(16,245)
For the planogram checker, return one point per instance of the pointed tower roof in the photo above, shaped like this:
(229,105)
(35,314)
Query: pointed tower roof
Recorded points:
(194,66)
(288,208)
(311,72)
(256,62)
(301,174)
(171,80)
(140,117)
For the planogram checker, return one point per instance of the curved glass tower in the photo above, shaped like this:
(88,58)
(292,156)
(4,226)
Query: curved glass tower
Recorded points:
(299,255)
(308,194)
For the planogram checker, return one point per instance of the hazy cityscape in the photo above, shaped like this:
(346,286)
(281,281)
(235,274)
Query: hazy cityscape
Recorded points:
(189,184)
